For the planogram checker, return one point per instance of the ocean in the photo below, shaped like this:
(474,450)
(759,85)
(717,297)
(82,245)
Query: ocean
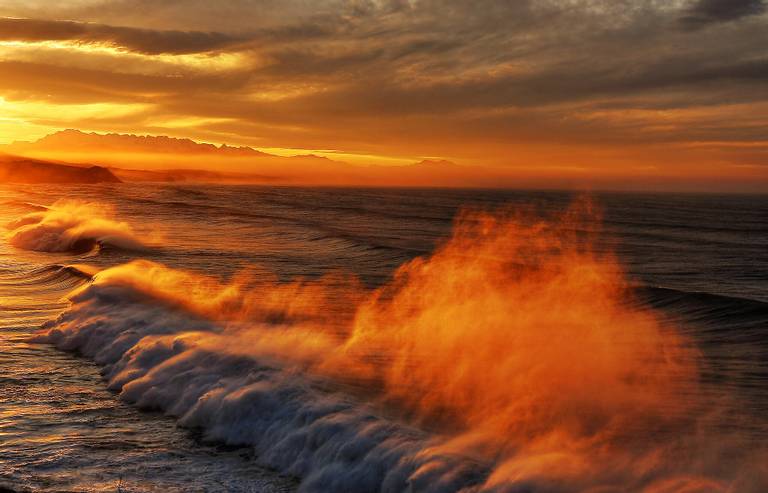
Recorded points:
(183,338)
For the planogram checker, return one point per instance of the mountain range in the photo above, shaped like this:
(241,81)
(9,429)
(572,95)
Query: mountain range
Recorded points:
(130,157)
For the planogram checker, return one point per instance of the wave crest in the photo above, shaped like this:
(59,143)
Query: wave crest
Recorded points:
(73,226)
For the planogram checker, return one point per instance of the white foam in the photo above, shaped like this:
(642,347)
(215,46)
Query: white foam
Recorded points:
(161,358)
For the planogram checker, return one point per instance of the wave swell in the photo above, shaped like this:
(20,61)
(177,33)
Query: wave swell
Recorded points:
(512,359)
(160,356)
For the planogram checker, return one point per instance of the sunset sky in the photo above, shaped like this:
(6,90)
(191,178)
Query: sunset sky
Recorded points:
(657,89)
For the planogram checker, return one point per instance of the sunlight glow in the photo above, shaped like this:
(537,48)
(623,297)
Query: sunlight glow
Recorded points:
(30,50)
(28,120)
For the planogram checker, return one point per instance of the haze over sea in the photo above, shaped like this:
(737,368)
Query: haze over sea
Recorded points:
(251,338)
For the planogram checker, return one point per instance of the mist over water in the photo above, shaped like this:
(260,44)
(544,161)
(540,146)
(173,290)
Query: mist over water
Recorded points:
(367,340)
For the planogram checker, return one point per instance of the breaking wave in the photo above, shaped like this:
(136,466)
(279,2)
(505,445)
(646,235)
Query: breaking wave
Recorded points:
(513,359)
(73,226)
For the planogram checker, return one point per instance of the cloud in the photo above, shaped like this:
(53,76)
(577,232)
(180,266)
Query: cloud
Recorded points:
(431,77)
(705,12)
(67,84)
(146,41)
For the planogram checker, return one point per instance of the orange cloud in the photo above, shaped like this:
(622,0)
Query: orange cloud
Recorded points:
(589,95)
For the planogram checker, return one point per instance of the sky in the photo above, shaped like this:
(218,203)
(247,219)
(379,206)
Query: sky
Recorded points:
(631,89)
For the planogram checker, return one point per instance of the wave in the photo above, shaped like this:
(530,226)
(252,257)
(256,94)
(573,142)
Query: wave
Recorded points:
(731,314)
(160,356)
(319,229)
(23,204)
(73,226)
(702,297)
(53,278)
(511,359)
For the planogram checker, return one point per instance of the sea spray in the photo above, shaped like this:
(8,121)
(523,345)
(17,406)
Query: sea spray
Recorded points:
(512,359)
(162,357)
(73,226)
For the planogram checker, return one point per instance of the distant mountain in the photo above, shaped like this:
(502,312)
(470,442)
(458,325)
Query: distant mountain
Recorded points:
(133,158)
(23,170)
(77,141)
(436,164)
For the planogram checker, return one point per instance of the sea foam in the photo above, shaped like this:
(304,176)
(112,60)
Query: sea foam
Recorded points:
(163,358)
(72,226)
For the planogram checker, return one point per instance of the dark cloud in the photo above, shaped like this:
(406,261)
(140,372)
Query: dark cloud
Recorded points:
(66,84)
(705,12)
(145,41)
